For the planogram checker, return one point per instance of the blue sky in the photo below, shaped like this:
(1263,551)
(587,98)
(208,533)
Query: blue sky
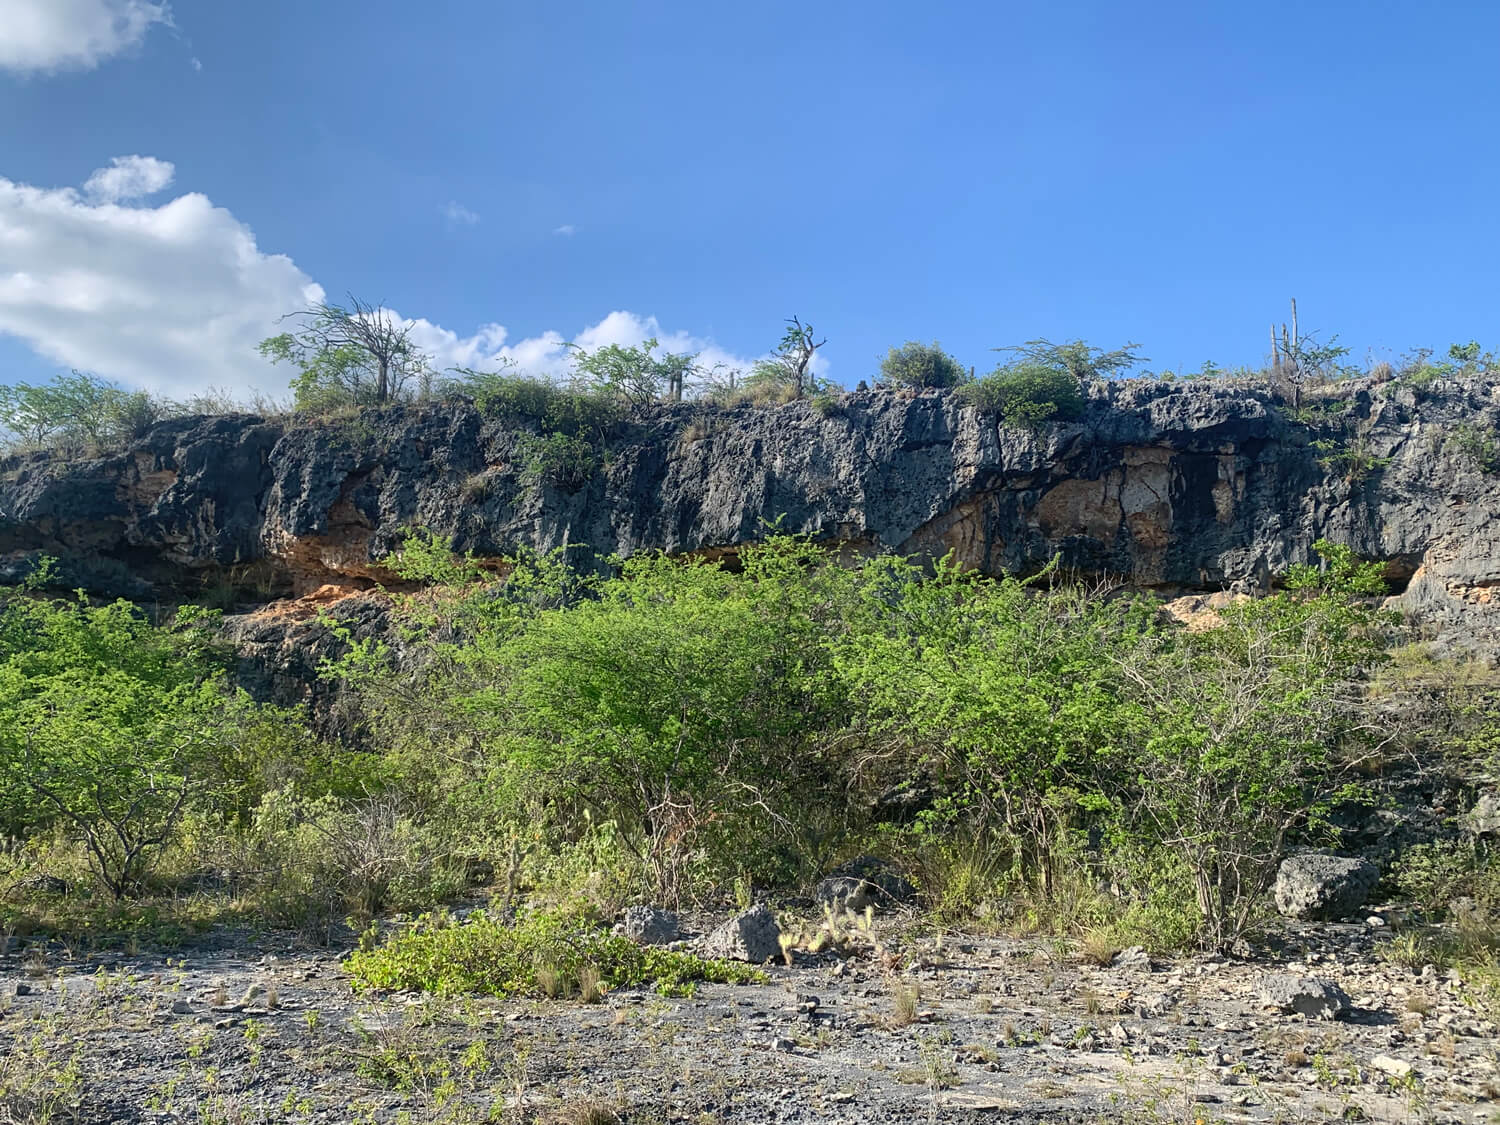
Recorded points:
(982,174)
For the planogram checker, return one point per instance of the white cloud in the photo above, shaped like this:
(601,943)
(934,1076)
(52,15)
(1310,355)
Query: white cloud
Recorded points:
(459,215)
(49,35)
(565,230)
(548,354)
(129,177)
(173,297)
(176,297)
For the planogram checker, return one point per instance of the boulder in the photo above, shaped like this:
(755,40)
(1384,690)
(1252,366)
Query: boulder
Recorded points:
(1483,820)
(864,882)
(1323,886)
(750,936)
(1313,997)
(840,893)
(648,925)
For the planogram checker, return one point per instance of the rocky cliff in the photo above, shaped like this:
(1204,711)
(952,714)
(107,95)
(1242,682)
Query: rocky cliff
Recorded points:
(1176,486)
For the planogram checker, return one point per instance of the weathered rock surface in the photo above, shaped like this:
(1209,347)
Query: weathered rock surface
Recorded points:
(1326,887)
(750,936)
(1483,820)
(1313,997)
(1178,486)
(649,925)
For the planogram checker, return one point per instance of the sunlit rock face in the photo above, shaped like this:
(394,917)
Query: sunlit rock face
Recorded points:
(1184,487)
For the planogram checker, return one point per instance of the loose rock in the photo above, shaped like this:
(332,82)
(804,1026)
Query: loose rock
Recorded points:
(649,925)
(1310,996)
(1323,886)
(751,936)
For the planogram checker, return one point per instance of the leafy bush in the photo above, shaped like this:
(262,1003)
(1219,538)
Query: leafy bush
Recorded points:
(1247,730)
(633,375)
(560,460)
(1434,876)
(107,725)
(556,409)
(1077,358)
(915,364)
(486,956)
(1027,394)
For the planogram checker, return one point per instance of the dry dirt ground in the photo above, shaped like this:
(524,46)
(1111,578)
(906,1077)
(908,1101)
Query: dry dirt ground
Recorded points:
(939,1029)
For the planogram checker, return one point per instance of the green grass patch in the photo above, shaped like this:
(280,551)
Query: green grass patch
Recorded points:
(542,954)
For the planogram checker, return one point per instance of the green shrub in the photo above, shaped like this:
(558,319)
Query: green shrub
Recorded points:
(1477,444)
(560,460)
(483,955)
(825,405)
(920,365)
(79,410)
(574,411)
(1027,394)
(1432,876)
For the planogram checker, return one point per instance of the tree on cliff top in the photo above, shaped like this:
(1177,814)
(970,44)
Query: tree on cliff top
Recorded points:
(634,375)
(359,354)
(788,370)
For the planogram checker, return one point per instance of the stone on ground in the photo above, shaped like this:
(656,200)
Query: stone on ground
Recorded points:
(649,925)
(1310,996)
(1325,887)
(750,936)
(864,882)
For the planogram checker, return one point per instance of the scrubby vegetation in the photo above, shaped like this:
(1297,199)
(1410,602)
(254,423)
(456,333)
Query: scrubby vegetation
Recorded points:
(919,365)
(1035,754)
(545,953)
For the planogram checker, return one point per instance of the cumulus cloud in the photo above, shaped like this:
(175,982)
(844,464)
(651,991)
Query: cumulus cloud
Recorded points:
(565,230)
(129,177)
(50,35)
(175,297)
(548,354)
(459,215)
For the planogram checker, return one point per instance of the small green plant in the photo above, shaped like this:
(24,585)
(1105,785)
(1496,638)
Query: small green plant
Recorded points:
(824,405)
(563,461)
(1354,461)
(1476,444)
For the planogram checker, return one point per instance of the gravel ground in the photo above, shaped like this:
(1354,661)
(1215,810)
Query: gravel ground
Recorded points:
(1001,1029)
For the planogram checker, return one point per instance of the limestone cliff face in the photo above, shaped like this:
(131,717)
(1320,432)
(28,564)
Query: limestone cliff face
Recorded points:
(1187,486)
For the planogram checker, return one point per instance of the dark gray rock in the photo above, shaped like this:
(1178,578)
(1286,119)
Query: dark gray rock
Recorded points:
(840,893)
(1324,887)
(1135,957)
(865,881)
(650,926)
(1312,997)
(41,884)
(750,936)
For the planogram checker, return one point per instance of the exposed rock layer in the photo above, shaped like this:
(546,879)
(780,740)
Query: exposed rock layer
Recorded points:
(1186,486)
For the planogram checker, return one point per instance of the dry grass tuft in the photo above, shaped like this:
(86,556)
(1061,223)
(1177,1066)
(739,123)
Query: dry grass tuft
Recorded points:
(1099,946)
(904,1001)
(586,1111)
